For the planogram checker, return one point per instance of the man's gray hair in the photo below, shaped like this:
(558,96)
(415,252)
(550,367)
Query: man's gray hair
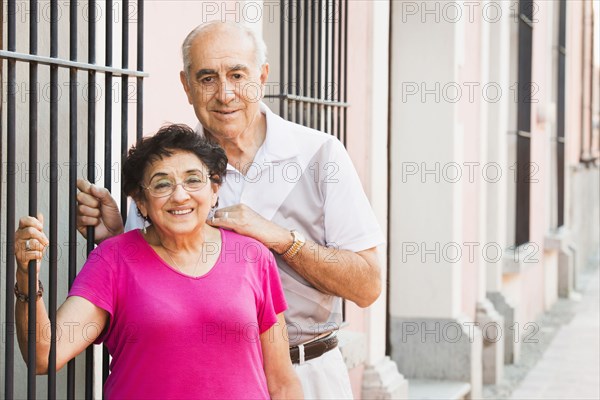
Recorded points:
(260,48)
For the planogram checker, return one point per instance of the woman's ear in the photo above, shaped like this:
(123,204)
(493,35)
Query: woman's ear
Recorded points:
(141,205)
(215,196)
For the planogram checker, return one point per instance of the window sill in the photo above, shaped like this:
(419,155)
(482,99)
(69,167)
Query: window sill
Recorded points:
(516,260)
(557,239)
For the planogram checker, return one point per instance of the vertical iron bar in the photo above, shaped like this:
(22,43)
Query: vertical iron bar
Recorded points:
(305,43)
(53,257)
(108,83)
(33,162)
(390,49)
(9,349)
(298,59)
(108,79)
(281,90)
(313,79)
(140,67)
(331,85)
(338,83)
(290,59)
(560,115)
(320,66)
(72,173)
(345,82)
(582,32)
(591,84)
(326,80)
(91,164)
(124,99)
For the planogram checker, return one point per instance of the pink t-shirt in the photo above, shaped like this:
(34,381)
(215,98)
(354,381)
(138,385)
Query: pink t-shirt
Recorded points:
(172,336)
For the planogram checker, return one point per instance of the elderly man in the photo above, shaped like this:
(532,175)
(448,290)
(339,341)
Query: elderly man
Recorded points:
(290,187)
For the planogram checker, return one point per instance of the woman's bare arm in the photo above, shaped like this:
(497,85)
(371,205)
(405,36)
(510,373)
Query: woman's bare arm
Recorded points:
(282,380)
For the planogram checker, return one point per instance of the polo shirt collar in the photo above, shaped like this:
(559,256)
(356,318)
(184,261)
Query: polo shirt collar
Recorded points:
(280,141)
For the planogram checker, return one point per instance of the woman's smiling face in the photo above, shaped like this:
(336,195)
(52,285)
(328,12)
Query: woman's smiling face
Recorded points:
(181,212)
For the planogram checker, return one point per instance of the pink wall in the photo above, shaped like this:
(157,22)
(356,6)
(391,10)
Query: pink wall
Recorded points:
(358,133)
(167,23)
(542,62)
(574,84)
(359,93)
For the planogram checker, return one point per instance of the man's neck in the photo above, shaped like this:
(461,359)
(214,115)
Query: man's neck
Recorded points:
(242,149)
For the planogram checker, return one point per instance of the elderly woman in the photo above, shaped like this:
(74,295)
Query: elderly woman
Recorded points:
(186,310)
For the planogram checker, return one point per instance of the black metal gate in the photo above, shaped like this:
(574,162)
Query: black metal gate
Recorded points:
(54,97)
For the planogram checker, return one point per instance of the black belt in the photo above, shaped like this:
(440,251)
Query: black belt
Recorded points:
(314,349)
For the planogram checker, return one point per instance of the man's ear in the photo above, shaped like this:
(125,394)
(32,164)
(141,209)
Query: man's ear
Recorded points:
(264,74)
(186,85)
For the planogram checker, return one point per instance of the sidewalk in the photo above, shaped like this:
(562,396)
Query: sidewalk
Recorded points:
(570,366)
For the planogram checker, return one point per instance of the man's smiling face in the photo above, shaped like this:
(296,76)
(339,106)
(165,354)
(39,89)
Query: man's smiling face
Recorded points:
(223,83)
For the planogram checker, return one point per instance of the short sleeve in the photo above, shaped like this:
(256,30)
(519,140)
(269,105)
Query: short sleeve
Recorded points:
(344,197)
(273,297)
(96,283)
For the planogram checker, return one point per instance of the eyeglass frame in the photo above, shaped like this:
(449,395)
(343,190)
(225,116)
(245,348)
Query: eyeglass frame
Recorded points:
(183,183)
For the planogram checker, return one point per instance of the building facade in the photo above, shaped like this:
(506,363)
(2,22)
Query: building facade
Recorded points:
(474,127)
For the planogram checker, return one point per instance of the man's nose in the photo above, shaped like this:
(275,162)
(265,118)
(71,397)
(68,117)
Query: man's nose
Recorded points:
(226,91)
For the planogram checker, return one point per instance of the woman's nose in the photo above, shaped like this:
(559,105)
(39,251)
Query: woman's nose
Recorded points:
(179,193)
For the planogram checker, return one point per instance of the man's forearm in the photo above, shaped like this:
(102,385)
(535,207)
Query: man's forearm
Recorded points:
(353,276)
(343,273)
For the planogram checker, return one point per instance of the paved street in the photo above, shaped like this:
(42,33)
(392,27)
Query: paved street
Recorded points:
(570,366)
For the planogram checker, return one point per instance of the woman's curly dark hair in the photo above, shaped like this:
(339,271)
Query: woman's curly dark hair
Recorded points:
(168,139)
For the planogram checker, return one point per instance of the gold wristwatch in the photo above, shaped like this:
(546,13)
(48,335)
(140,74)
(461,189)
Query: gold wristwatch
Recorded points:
(296,246)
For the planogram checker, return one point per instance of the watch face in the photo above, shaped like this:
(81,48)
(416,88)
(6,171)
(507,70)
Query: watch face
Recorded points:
(296,245)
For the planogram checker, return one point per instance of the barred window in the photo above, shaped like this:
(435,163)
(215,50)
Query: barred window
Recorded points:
(524,167)
(312,64)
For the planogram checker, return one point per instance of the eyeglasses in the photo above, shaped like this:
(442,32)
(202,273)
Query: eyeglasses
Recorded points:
(163,187)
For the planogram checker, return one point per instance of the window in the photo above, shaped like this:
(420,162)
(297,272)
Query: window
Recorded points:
(589,144)
(524,93)
(312,64)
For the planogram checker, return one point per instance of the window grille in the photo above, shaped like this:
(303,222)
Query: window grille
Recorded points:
(67,107)
(524,167)
(589,144)
(594,89)
(560,112)
(313,60)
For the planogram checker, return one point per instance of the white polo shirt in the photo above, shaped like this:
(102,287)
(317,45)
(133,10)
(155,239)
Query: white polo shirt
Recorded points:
(302,179)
